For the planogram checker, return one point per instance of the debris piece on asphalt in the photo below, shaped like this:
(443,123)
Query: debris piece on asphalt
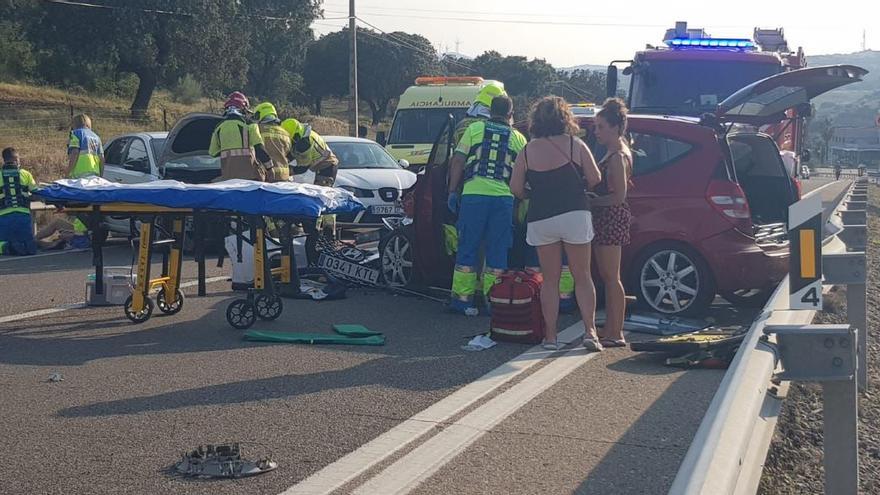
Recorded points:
(479,343)
(221,461)
(56,377)
(345,335)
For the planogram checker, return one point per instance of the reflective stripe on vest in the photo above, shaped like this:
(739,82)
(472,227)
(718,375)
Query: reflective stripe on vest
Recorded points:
(491,158)
(229,153)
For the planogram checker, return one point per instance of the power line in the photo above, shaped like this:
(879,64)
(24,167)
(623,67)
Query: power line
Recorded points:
(407,44)
(515,21)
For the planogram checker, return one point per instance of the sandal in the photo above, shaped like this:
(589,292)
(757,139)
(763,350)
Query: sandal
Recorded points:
(608,342)
(592,345)
(551,346)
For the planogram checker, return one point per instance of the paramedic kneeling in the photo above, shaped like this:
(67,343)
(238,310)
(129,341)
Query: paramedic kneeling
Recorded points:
(483,160)
(16,224)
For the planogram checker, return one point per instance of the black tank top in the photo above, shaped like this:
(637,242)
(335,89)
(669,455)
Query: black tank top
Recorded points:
(557,191)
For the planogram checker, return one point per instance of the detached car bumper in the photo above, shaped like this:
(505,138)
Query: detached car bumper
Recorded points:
(738,262)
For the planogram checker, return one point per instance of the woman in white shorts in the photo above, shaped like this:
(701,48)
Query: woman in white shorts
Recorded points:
(559,168)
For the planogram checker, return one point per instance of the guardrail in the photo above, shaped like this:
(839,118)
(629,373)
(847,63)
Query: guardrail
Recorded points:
(729,448)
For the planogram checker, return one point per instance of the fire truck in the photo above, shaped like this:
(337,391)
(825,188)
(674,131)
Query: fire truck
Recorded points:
(694,71)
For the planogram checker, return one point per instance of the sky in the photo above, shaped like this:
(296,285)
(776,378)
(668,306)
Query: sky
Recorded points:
(575,32)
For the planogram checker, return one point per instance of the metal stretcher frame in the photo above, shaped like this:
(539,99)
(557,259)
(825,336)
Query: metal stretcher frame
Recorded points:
(263,300)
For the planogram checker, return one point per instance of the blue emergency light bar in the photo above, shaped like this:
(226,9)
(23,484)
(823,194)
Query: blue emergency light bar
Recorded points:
(738,43)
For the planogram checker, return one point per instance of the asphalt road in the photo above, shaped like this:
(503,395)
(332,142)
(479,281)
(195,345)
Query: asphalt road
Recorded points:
(134,398)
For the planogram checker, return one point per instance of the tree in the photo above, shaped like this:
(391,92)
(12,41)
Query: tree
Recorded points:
(161,40)
(582,86)
(279,37)
(521,77)
(325,72)
(387,65)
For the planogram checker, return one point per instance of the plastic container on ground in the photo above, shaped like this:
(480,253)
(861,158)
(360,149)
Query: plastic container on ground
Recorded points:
(118,281)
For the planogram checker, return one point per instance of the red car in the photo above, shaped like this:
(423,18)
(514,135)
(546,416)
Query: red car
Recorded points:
(710,201)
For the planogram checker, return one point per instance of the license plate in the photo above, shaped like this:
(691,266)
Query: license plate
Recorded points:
(387,210)
(348,269)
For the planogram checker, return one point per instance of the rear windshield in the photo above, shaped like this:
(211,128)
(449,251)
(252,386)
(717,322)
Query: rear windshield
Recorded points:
(421,125)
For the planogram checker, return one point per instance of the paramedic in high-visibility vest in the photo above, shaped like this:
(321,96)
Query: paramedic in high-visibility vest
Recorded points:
(482,166)
(85,153)
(16,223)
(239,143)
(85,158)
(276,142)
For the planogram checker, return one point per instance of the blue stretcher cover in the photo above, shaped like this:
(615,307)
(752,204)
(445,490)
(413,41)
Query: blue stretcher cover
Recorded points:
(239,196)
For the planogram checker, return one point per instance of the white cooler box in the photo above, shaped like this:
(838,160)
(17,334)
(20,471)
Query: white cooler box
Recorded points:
(118,281)
(243,273)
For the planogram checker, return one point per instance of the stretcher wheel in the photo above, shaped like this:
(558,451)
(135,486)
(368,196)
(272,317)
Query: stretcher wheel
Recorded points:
(268,308)
(169,308)
(241,314)
(138,316)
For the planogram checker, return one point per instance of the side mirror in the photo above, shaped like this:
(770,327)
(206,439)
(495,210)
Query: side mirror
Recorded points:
(611,81)
(805,156)
(403,163)
(381,138)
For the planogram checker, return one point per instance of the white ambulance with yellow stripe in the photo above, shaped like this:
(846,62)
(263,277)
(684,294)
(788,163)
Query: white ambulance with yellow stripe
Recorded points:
(422,111)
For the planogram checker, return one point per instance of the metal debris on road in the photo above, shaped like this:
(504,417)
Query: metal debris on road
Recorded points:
(221,461)
(56,377)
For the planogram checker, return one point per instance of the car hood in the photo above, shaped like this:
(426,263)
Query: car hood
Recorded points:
(375,178)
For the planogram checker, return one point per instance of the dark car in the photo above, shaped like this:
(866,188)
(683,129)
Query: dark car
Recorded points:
(710,201)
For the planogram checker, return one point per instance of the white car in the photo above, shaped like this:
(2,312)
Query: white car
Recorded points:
(805,172)
(371,174)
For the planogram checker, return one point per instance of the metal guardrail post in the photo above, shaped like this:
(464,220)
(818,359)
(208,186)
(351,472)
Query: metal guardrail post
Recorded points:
(850,269)
(827,354)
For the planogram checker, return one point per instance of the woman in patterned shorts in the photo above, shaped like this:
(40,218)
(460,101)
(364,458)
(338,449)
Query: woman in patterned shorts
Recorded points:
(611,215)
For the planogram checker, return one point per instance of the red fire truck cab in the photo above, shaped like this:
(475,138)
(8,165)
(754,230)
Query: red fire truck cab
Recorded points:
(694,72)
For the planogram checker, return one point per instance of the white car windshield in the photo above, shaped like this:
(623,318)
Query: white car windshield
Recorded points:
(362,155)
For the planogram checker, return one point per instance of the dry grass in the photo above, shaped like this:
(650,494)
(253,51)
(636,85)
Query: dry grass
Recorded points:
(36,122)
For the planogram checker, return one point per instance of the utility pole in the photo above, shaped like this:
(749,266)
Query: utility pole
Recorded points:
(864,40)
(352,71)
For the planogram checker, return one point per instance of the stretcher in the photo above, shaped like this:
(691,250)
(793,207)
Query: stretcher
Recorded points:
(172,202)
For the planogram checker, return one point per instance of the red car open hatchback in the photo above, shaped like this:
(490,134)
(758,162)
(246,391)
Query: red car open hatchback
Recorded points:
(710,200)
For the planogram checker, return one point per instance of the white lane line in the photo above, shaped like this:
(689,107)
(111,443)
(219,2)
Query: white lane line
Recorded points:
(58,309)
(415,467)
(5,259)
(352,465)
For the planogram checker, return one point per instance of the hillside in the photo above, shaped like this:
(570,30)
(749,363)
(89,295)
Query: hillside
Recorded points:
(856,104)
(36,121)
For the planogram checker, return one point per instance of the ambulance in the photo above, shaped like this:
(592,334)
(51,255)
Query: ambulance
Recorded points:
(423,109)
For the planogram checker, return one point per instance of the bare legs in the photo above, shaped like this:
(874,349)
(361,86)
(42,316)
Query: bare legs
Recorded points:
(608,261)
(584,290)
(550,258)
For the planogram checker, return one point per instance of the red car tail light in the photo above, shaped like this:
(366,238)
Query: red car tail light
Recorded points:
(798,188)
(728,199)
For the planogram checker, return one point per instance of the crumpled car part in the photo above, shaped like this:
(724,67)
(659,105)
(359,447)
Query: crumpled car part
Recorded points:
(221,461)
